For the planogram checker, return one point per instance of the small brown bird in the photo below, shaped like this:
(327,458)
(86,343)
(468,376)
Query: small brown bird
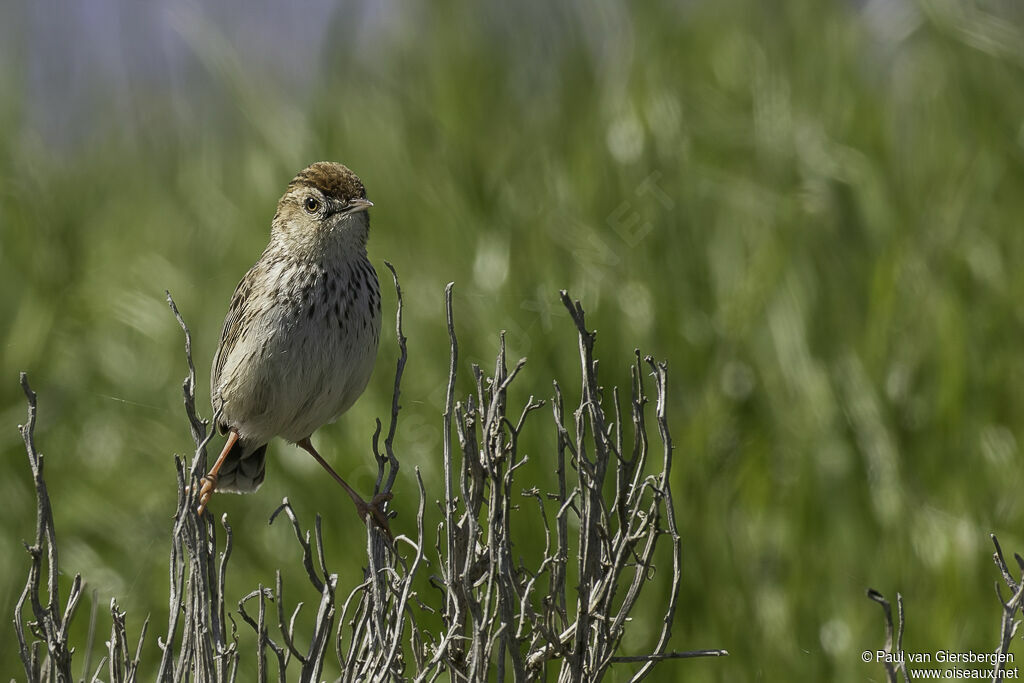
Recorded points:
(301,334)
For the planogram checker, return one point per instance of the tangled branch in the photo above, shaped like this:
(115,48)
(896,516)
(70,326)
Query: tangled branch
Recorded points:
(563,610)
(1007,628)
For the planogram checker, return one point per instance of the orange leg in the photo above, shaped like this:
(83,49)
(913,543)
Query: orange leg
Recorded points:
(209,482)
(362,507)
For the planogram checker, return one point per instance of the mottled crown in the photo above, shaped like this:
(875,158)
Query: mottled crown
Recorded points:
(332,179)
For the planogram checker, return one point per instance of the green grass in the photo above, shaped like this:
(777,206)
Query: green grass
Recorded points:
(818,228)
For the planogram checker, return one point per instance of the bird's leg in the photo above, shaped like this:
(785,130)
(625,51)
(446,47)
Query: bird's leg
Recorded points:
(209,482)
(373,508)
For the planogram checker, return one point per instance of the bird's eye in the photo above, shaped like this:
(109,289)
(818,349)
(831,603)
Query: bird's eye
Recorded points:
(312,204)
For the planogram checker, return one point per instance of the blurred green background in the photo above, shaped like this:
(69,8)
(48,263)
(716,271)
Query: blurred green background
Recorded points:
(811,210)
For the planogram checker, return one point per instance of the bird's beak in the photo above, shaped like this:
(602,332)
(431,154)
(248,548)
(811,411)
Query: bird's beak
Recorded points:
(357,205)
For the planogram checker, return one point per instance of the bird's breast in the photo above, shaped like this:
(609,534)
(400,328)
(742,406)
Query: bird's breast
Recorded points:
(307,352)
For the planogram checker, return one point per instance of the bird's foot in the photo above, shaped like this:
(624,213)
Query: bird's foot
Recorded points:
(375,510)
(209,483)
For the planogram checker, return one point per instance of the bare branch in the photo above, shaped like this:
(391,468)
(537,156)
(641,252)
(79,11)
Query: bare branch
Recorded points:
(51,623)
(670,655)
(503,615)
(891,670)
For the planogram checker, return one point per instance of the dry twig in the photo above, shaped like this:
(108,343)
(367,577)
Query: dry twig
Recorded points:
(503,615)
(1007,628)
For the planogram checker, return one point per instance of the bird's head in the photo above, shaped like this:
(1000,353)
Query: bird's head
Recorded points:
(324,204)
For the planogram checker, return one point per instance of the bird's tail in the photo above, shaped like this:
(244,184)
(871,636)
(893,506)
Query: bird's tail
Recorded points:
(242,471)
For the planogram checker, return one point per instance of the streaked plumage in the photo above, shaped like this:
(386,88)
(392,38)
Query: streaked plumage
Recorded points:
(300,337)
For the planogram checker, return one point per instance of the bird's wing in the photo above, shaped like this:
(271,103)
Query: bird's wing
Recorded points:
(230,333)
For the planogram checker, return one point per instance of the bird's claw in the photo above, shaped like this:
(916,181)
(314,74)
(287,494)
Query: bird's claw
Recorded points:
(209,483)
(374,509)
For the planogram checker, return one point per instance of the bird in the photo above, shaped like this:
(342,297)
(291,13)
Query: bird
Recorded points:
(300,338)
